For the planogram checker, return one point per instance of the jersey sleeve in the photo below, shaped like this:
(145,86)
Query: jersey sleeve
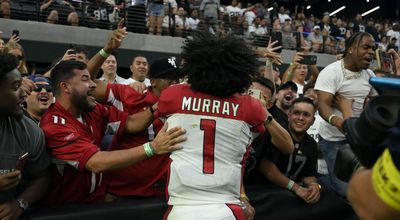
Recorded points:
(256,115)
(65,145)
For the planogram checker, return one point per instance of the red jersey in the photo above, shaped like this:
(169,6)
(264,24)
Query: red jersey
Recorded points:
(219,132)
(147,177)
(71,143)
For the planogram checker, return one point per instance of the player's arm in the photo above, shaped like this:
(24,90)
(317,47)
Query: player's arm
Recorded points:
(114,41)
(139,121)
(280,137)
(325,100)
(164,142)
(249,211)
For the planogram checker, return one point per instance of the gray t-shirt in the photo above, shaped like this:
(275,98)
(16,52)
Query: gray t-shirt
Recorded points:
(19,136)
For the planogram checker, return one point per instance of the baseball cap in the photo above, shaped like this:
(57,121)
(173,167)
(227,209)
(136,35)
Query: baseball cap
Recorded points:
(164,68)
(316,27)
(288,84)
(265,82)
(39,78)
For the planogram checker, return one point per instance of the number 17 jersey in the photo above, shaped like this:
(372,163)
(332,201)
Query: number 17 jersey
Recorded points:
(219,132)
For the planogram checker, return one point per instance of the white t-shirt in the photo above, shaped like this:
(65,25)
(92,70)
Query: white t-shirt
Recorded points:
(234,11)
(313,131)
(394,34)
(335,79)
(130,81)
(191,23)
(299,88)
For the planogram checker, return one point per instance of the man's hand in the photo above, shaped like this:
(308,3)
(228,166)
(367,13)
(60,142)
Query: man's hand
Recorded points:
(9,180)
(314,193)
(270,53)
(69,55)
(138,87)
(249,211)
(302,192)
(297,58)
(116,37)
(168,141)
(10,210)
(14,39)
(344,105)
(27,85)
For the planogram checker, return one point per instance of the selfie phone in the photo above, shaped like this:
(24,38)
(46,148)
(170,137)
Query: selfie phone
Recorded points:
(15,32)
(385,85)
(21,162)
(309,59)
(255,93)
(276,36)
(385,61)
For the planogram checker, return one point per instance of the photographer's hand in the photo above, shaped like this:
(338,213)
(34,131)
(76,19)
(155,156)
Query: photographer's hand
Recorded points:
(396,58)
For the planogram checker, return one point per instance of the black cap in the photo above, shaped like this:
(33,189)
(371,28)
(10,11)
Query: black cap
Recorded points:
(265,82)
(164,68)
(288,84)
(308,86)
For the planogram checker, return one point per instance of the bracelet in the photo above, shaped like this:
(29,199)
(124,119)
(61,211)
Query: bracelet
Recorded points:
(103,53)
(148,149)
(330,118)
(290,185)
(319,186)
(244,196)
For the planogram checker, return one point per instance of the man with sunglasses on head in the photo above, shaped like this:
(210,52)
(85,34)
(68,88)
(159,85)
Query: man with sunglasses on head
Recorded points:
(40,99)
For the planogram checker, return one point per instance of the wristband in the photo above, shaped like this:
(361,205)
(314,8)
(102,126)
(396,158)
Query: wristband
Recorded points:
(244,196)
(330,118)
(148,149)
(103,53)
(290,185)
(386,180)
(317,184)
(268,63)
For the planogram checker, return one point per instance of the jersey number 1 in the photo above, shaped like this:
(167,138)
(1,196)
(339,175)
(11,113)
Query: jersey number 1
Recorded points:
(208,126)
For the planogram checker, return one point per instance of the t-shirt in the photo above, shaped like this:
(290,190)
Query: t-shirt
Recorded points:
(334,79)
(19,136)
(71,143)
(130,81)
(147,177)
(208,170)
(299,164)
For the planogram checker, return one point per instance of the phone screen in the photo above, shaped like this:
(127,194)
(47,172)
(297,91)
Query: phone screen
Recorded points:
(276,36)
(15,32)
(385,62)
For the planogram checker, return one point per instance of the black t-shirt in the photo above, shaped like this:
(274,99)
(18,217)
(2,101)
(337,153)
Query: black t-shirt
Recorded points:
(279,115)
(99,10)
(303,162)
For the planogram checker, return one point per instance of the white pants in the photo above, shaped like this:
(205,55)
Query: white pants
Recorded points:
(205,212)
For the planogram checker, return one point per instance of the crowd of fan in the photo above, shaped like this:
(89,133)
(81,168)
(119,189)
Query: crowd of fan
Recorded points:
(326,34)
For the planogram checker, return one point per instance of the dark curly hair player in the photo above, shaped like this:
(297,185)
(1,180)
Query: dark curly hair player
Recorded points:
(206,174)
(219,65)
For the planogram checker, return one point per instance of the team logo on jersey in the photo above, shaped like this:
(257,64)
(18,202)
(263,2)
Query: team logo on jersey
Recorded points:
(171,61)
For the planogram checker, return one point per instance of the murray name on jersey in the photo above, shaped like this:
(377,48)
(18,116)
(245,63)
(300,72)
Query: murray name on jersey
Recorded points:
(209,106)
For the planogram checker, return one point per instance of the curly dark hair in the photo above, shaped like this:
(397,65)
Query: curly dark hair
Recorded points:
(218,65)
(8,62)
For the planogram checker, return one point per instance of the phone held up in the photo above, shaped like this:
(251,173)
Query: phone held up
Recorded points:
(21,162)
(15,33)
(309,60)
(255,93)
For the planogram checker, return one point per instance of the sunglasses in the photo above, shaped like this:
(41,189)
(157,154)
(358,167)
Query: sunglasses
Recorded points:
(40,87)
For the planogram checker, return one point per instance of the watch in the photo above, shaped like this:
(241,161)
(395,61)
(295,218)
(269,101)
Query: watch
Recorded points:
(23,204)
(269,119)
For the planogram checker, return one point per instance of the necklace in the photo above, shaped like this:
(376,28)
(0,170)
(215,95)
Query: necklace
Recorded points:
(350,74)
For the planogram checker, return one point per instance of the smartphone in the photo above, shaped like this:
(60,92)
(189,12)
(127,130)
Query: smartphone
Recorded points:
(309,60)
(255,93)
(71,48)
(15,32)
(21,162)
(386,85)
(385,62)
(276,36)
